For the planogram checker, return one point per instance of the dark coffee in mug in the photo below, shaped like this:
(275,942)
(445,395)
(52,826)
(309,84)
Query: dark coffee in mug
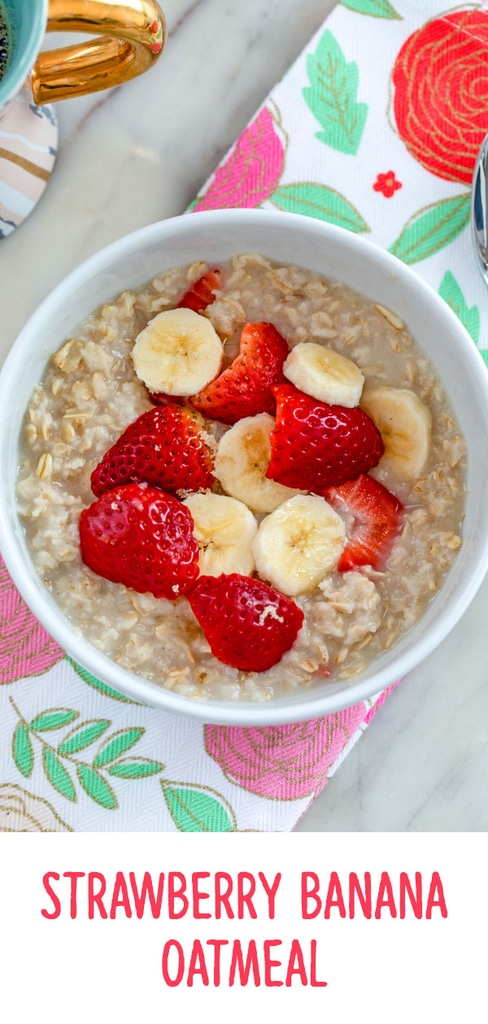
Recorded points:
(4,42)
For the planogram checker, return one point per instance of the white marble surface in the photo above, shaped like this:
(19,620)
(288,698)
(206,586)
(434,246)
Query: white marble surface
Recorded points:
(139,154)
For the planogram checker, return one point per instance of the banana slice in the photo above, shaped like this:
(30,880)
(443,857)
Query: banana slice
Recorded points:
(324,374)
(405,425)
(179,352)
(298,544)
(242,460)
(224,529)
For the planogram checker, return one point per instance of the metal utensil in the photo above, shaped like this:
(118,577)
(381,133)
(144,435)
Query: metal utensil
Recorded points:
(479,209)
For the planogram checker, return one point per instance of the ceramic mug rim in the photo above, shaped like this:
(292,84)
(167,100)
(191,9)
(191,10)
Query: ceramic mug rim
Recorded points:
(226,712)
(16,74)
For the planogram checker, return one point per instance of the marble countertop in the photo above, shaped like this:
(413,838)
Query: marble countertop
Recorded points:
(139,154)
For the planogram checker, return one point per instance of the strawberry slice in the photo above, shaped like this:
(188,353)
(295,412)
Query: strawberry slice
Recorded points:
(247,624)
(376,521)
(165,447)
(141,537)
(202,292)
(244,388)
(315,445)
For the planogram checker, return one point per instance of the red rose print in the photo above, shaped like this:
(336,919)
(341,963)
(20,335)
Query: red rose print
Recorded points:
(440,82)
(387,184)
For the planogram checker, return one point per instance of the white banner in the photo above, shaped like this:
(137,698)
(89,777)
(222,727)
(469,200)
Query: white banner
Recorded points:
(126,927)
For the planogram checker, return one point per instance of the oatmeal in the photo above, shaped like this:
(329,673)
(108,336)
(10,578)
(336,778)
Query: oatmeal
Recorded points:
(260,504)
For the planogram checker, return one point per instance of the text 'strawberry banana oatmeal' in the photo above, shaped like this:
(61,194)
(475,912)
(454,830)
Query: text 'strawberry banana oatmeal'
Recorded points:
(242,480)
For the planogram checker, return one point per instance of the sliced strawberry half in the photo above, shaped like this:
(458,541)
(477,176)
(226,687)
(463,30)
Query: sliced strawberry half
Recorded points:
(315,445)
(166,446)
(248,624)
(244,388)
(202,292)
(141,537)
(377,517)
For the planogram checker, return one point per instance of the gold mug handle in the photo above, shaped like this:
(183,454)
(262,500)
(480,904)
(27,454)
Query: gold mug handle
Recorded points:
(131,37)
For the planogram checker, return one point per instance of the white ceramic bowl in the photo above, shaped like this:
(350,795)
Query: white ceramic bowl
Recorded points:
(214,237)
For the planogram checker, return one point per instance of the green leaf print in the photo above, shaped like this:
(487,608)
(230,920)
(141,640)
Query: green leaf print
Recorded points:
(198,808)
(376,8)
(331,96)
(84,734)
(432,228)
(451,293)
(96,787)
(97,683)
(117,745)
(57,775)
(22,751)
(58,762)
(52,719)
(135,768)
(318,201)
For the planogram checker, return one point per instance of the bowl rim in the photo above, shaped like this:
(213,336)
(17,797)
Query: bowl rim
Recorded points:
(285,710)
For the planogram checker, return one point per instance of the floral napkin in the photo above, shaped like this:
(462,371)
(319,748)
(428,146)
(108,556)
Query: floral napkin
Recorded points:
(375,128)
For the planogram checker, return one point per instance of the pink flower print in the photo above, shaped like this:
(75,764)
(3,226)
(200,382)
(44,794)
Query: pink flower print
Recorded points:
(378,703)
(25,647)
(283,762)
(387,184)
(252,170)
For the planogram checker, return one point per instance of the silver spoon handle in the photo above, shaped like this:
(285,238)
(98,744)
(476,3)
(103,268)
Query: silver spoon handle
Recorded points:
(479,206)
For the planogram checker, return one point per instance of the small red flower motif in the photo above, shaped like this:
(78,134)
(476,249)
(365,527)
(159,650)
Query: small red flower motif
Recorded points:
(387,184)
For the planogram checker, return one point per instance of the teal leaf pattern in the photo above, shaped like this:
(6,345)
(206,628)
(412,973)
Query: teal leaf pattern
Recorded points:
(432,228)
(135,768)
(96,787)
(314,200)
(117,745)
(198,808)
(54,718)
(451,292)
(376,8)
(331,96)
(22,751)
(57,775)
(83,736)
(97,683)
